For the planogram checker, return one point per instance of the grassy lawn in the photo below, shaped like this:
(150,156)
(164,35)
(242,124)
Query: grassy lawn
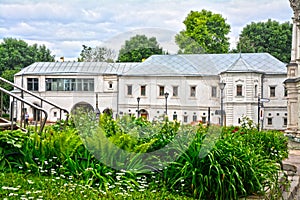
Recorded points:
(28,186)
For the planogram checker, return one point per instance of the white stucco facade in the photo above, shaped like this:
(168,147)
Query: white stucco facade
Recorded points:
(192,82)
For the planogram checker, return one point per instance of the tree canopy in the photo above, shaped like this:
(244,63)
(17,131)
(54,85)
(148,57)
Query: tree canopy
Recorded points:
(16,54)
(271,37)
(205,32)
(97,54)
(138,48)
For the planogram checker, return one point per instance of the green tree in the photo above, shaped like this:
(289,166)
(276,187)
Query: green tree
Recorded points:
(271,37)
(138,48)
(16,54)
(97,54)
(205,32)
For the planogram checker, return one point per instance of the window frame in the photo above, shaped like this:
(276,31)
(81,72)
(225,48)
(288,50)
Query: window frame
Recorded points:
(175,91)
(272,90)
(239,90)
(193,89)
(214,90)
(33,84)
(161,90)
(143,90)
(129,90)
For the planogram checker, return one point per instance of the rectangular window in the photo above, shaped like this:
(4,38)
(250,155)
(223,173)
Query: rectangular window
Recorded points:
(239,90)
(161,90)
(175,91)
(69,84)
(185,119)
(213,91)
(174,116)
(73,84)
(204,120)
(129,90)
(143,90)
(284,121)
(193,91)
(272,91)
(270,121)
(32,84)
(79,85)
(194,118)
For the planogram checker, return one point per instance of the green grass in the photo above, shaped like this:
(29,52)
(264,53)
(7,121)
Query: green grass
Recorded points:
(28,186)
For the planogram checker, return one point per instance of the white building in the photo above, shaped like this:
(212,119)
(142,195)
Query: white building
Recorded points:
(192,82)
(293,72)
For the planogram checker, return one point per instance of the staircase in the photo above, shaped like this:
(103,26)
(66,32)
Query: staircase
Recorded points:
(43,115)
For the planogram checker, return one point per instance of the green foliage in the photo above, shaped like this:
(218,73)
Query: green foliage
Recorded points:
(97,54)
(138,48)
(11,143)
(16,54)
(205,32)
(240,162)
(270,36)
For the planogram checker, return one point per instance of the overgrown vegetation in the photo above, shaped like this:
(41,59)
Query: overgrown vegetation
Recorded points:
(241,161)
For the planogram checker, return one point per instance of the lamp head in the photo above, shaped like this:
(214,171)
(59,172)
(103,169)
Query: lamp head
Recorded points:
(222,85)
(166,95)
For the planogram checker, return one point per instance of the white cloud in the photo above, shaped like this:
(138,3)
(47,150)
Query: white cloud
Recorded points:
(64,26)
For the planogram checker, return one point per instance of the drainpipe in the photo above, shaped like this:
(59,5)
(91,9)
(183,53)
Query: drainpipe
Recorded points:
(262,92)
(118,91)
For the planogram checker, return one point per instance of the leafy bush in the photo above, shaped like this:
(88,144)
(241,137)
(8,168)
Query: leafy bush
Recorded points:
(238,162)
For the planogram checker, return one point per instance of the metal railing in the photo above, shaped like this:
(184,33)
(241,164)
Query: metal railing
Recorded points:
(38,97)
(43,120)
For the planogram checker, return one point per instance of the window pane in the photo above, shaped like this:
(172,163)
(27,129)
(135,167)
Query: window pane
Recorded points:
(175,91)
(270,121)
(193,91)
(143,90)
(214,91)
(194,118)
(129,89)
(67,84)
(33,84)
(239,90)
(285,121)
(161,90)
(79,84)
(203,120)
(272,91)
(185,119)
(48,84)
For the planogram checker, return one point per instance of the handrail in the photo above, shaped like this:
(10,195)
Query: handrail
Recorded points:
(30,104)
(40,98)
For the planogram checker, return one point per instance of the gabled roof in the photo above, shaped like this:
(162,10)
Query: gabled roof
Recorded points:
(240,65)
(168,65)
(62,68)
(207,64)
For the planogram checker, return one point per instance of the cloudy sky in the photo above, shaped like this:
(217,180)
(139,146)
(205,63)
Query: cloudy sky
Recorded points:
(64,26)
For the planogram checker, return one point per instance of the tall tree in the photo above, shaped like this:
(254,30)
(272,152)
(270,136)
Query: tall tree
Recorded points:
(271,37)
(205,32)
(16,54)
(97,54)
(138,48)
